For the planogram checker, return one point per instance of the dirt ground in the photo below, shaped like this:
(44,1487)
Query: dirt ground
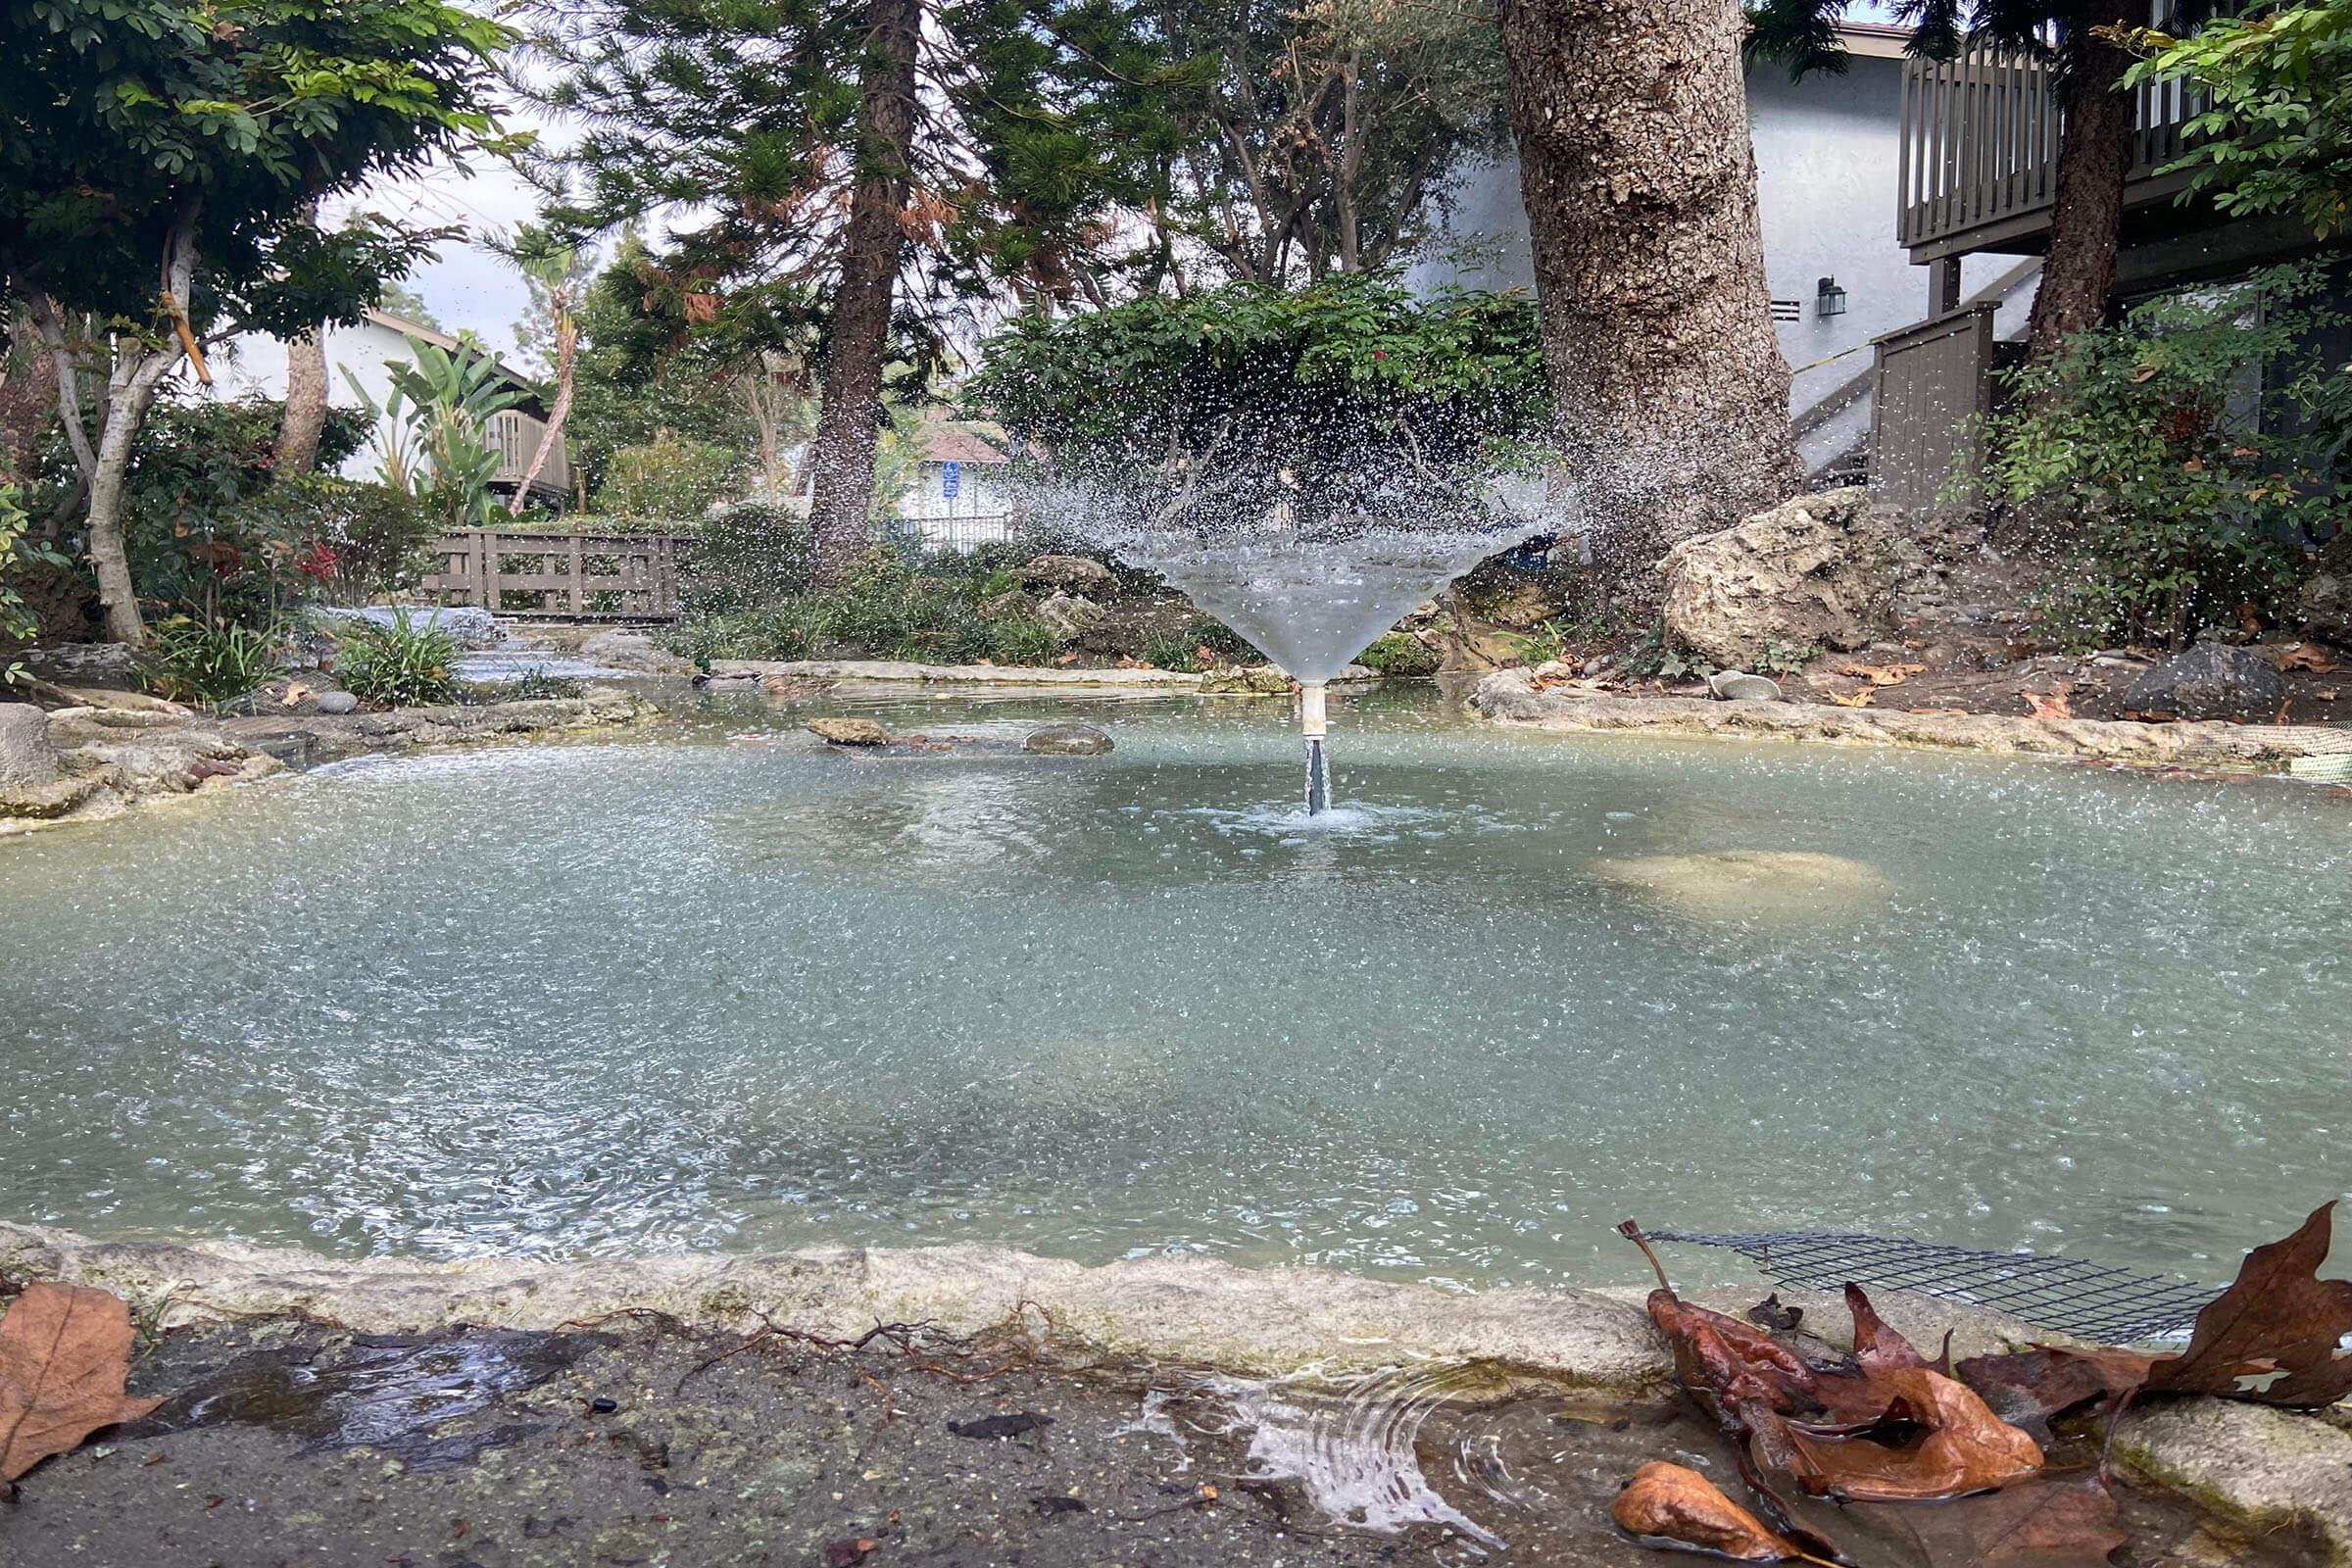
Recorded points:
(632,1441)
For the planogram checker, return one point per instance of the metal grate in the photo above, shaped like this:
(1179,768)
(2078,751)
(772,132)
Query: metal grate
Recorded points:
(2069,1294)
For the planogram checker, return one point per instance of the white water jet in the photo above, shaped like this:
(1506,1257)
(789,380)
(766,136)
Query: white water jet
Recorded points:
(1312,597)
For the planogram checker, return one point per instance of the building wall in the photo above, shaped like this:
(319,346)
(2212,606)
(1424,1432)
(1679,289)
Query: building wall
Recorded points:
(255,364)
(1825,160)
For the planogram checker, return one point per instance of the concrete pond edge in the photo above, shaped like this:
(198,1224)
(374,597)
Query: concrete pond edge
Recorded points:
(2262,1468)
(1514,696)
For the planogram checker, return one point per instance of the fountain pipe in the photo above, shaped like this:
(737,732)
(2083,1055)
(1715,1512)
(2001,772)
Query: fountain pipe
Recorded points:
(1312,727)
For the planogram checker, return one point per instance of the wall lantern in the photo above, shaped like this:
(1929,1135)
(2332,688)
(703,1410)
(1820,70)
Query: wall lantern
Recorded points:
(1829,299)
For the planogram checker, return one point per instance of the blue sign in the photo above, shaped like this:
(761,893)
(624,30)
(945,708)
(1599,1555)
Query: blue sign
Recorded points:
(951,480)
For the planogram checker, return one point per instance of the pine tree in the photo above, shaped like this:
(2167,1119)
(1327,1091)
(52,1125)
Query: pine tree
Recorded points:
(871,170)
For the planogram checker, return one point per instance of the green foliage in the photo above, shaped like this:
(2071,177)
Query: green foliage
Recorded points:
(1356,396)
(1656,655)
(2275,134)
(17,549)
(1399,652)
(671,476)
(2179,461)
(407,663)
(1542,644)
(537,685)
(433,436)
(883,609)
(211,662)
(380,537)
(1228,646)
(1166,651)
(1781,658)
(212,532)
(133,128)
(747,555)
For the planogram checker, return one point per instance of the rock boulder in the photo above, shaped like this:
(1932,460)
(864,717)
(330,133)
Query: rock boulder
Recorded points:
(1073,574)
(849,731)
(27,760)
(1067,615)
(1067,740)
(2212,680)
(1825,568)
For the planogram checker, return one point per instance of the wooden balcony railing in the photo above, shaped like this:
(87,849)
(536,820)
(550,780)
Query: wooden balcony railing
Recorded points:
(517,436)
(1979,161)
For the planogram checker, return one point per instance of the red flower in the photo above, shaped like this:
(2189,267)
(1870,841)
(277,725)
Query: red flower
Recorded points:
(320,562)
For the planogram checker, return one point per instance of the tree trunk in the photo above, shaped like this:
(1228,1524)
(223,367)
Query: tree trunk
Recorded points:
(306,403)
(550,440)
(842,456)
(1670,392)
(27,400)
(2094,154)
(110,558)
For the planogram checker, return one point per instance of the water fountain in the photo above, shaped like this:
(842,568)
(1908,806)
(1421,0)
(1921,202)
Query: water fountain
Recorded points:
(1312,596)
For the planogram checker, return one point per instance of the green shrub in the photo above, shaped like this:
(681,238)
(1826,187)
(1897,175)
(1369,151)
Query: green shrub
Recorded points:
(404,664)
(1225,645)
(378,537)
(883,609)
(536,684)
(1021,640)
(2181,460)
(1399,652)
(670,477)
(1165,652)
(211,662)
(750,554)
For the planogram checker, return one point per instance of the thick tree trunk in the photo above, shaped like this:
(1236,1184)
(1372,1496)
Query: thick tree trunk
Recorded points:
(2094,154)
(110,557)
(1640,182)
(550,440)
(306,403)
(842,454)
(27,400)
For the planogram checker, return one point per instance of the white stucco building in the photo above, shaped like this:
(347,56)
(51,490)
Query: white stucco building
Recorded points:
(1828,149)
(255,364)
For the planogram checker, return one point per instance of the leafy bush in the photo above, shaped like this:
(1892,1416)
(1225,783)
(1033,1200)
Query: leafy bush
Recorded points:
(1227,646)
(749,555)
(213,533)
(1399,652)
(536,684)
(2179,461)
(1355,396)
(17,549)
(406,663)
(670,477)
(883,609)
(1165,652)
(211,662)
(380,537)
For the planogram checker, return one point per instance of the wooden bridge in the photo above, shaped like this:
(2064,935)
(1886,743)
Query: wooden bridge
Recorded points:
(573,576)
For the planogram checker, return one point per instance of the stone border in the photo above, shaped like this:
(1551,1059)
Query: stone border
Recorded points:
(894,669)
(2261,1467)
(1512,697)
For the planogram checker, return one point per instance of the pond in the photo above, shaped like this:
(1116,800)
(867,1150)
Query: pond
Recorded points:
(720,987)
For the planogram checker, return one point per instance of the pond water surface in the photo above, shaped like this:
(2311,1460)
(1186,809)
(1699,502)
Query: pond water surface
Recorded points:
(723,988)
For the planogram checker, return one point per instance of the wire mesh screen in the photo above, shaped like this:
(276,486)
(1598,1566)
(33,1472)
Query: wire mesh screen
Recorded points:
(2070,1295)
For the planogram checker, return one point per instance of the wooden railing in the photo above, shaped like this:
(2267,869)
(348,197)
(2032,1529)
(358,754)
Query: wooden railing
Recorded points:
(581,577)
(517,436)
(1977,166)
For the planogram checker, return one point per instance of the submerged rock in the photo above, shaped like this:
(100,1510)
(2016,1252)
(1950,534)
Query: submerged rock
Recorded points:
(2212,680)
(1247,680)
(1739,686)
(1067,740)
(1737,884)
(1823,568)
(849,731)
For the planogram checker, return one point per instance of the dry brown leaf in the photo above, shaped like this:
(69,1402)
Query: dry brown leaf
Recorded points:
(1860,699)
(1071,657)
(1883,674)
(1876,1347)
(65,1350)
(2272,1336)
(2032,1387)
(2051,703)
(295,692)
(2305,657)
(1967,1448)
(1669,1503)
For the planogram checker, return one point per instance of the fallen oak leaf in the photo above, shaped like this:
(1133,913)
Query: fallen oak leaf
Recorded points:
(1967,1448)
(2305,657)
(1672,1504)
(64,1351)
(2035,1386)
(2051,703)
(2276,1326)
(1860,699)
(1769,1313)
(1883,674)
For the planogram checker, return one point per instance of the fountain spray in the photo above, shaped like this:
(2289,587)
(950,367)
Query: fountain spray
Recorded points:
(1310,726)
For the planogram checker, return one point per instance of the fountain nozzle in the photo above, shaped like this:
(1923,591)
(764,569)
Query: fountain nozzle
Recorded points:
(1311,726)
